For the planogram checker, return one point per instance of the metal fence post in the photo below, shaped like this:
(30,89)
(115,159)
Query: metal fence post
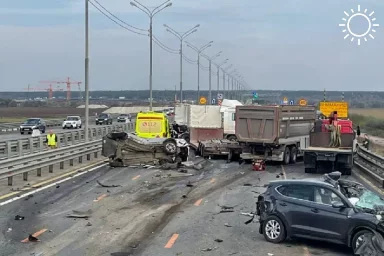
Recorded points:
(20,147)
(73,138)
(38,172)
(25,176)
(62,165)
(50,168)
(9,149)
(41,143)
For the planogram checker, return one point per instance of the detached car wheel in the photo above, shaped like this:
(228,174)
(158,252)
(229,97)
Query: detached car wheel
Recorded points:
(170,146)
(358,239)
(273,230)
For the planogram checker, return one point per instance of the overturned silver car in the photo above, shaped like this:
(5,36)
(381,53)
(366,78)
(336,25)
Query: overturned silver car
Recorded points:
(124,149)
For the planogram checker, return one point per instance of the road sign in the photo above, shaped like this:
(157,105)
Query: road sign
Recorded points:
(213,101)
(255,95)
(303,102)
(219,102)
(291,102)
(203,100)
(219,96)
(285,100)
(328,107)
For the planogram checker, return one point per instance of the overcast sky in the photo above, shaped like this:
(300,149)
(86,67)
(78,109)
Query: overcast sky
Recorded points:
(277,44)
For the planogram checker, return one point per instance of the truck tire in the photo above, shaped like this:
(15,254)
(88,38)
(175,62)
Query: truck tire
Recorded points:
(232,138)
(287,156)
(293,156)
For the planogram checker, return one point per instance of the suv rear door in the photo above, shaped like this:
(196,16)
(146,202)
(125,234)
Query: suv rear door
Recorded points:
(294,203)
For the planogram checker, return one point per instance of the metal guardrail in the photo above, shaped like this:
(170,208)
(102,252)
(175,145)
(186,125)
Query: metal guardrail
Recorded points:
(371,164)
(25,164)
(25,146)
(14,127)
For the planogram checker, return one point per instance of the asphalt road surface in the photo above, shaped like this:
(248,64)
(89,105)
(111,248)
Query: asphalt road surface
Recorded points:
(151,212)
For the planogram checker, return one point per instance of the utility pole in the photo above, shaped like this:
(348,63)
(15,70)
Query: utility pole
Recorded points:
(210,73)
(199,51)
(181,37)
(86,78)
(150,14)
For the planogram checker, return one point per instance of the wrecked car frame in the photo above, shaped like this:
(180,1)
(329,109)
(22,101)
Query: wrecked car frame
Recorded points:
(327,209)
(125,149)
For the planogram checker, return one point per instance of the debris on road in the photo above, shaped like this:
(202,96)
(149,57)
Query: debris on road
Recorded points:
(247,214)
(28,197)
(209,249)
(277,176)
(80,214)
(224,207)
(218,240)
(57,186)
(227,225)
(184,196)
(88,224)
(18,217)
(107,186)
(9,230)
(255,192)
(189,184)
(183,171)
(31,238)
(247,185)
(270,254)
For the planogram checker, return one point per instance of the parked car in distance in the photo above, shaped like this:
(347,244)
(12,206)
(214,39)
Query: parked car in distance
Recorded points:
(32,123)
(327,209)
(72,122)
(104,119)
(124,118)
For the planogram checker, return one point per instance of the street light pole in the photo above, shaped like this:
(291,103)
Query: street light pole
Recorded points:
(181,37)
(86,79)
(199,51)
(230,74)
(218,71)
(210,73)
(150,14)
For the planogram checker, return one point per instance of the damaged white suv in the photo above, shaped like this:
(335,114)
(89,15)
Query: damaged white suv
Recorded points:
(72,122)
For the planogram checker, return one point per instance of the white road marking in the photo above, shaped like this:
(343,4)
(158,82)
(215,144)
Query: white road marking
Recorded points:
(51,185)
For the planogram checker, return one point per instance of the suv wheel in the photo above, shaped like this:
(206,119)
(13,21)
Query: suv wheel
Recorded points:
(273,230)
(170,146)
(358,239)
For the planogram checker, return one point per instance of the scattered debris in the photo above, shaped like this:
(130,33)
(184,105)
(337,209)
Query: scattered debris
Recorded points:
(207,250)
(198,167)
(80,214)
(189,184)
(134,246)
(218,240)
(255,192)
(89,224)
(183,171)
(158,175)
(281,174)
(277,176)
(108,191)
(28,197)
(31,238)
(57,186)
(184,196)
(242,172)
(18,217)
(247,185)
(247,214)
(224,207)
(9,230)
(227,225)
(270,254)
(107,186)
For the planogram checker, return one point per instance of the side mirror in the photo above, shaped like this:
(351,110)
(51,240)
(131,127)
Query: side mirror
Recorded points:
(338,205)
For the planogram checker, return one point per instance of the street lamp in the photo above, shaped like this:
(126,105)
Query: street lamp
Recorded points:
(86,78)
(210,73)
(218,76)
(150,14)
(229,75)
(181,37)
(224,70)
(199,51)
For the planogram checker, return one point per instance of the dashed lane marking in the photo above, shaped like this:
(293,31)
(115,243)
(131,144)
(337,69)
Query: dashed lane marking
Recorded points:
(100,198)
(51,185)
(284,174)
(136,177)
(26,240)
(198,202)
(171,241)
(213,180)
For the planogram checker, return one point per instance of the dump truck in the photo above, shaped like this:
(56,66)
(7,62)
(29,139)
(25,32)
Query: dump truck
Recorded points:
(332,144)
(274,133)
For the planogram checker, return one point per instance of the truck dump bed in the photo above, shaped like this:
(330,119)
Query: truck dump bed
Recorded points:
(269,124)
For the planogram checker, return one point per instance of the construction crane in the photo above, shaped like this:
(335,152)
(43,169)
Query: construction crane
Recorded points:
(68,83)
(49,90)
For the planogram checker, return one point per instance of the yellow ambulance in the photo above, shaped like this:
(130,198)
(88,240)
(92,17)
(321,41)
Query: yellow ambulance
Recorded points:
(152,125)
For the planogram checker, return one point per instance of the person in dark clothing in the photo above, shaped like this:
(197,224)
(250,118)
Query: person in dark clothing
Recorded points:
(358,131)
